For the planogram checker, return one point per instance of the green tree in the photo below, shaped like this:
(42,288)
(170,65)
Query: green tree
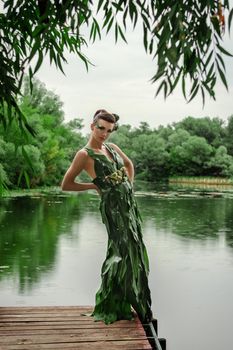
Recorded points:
(174,150)
(190,157)
(144,128)
(229,135)
(150,157)
(44,101)
(177,138)
(165,131)
(211,129)
(221,164)
(44,159)
(123,137)
(184,37)
(4,180)
(16,169)
(75,124)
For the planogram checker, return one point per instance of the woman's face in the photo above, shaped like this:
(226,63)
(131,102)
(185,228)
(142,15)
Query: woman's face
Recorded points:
(101,130)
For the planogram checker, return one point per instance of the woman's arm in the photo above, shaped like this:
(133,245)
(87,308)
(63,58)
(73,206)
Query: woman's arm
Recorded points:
(127,162)
(78,164)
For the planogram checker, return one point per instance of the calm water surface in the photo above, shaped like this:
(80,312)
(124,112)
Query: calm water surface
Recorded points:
(52,248)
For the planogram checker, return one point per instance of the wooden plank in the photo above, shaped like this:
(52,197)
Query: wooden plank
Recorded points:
(89,333)
(8,334)
(116,345)
(66,328)
(46,309)
(41,318)
(51,337)
(61,325)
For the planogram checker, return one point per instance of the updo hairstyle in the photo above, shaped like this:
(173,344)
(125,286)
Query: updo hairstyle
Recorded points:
(108,117)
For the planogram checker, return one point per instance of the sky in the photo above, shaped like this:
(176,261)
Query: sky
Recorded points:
(119,81)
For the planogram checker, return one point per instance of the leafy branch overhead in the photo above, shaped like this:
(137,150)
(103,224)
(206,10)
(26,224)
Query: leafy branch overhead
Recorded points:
(183,37)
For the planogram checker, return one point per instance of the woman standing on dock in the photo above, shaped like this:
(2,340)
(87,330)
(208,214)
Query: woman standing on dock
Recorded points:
(126,267)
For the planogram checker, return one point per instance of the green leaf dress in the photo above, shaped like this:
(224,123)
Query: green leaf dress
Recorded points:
(125,270)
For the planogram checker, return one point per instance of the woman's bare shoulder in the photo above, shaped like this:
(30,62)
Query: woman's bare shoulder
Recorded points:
(81,155)
(83,151)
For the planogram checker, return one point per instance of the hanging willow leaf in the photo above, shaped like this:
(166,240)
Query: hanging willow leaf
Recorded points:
(176,80)
(132,10)
(60,64)
(230,20)
(27,178)
(221,61)
(116,32)
(107,18)
(39,61)
(122,34)
(222,75)
(203,96)
(208,59)
(97,28)
(110,24)
(224,50)
(209,89)
(158,75)
(184,86)
(20,177)
(24,153)
(194,93)
(100,3)
(84,59)
(145,41)
(30,78)
(163,85)
(194,86)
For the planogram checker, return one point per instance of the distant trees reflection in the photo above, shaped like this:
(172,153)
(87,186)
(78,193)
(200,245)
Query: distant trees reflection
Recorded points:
(30,231)
(31,227)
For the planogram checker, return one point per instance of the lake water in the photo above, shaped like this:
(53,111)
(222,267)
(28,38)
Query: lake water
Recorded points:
(52,248)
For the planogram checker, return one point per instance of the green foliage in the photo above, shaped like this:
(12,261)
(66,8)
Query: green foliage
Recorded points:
(46,102)
(192,147)
(229,136)
(150,156)
(211,129)
(185,38)
(177,138)
(190,157)
(29,161)
(3,180)
(221,164)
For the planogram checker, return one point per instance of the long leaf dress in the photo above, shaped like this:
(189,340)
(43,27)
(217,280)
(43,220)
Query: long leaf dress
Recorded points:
(125,270)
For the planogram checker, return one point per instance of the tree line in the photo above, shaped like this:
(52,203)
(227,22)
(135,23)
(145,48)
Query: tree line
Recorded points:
(191,147)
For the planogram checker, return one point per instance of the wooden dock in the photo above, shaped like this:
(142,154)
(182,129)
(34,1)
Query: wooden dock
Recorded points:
(68,327)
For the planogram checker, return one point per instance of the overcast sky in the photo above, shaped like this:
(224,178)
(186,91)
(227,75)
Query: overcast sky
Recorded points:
(120,83)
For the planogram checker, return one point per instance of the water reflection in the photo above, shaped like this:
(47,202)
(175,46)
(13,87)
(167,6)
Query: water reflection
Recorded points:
(31,227)
(192,218)
(52,249)
(30,230)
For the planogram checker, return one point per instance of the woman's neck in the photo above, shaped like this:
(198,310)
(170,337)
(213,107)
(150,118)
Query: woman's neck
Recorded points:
(92,143)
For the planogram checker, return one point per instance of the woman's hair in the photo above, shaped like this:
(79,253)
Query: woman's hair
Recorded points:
(109,117)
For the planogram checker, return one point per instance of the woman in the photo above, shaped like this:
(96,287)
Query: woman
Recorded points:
(125,269)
